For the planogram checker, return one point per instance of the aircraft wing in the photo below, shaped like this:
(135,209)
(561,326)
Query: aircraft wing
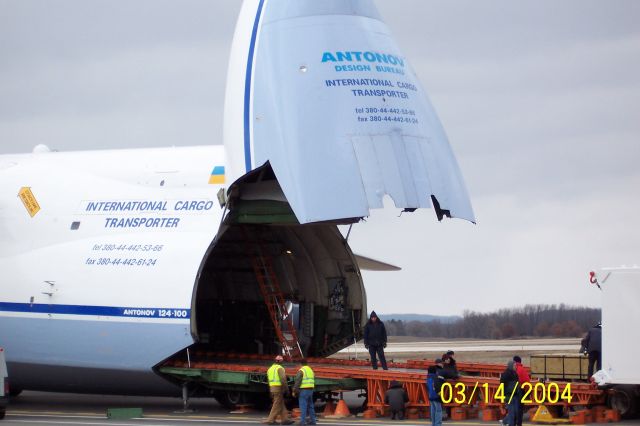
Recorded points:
(369,264)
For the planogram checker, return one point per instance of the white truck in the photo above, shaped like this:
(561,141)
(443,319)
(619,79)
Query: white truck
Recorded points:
(620,336)
(4,385)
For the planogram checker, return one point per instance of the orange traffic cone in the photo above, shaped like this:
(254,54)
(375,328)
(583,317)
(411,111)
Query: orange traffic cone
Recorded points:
(329,408)
(342,410)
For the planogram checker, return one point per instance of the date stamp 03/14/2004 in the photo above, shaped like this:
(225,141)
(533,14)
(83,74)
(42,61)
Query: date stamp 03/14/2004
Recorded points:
(528,393)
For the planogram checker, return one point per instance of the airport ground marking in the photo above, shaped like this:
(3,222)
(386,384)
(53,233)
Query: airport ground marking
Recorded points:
(143,420)
(57,413)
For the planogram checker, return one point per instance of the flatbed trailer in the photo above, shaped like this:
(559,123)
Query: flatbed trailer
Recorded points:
(244,377)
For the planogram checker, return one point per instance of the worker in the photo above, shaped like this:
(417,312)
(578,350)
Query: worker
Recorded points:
(509,380)
(523,377)
(592,344)
(303,389)
(434,388)
(445,374)
(278,388)
(449,355)
(396,397)
(449,366)
(375,340)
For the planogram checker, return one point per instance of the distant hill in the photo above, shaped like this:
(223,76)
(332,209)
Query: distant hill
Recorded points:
(445,319)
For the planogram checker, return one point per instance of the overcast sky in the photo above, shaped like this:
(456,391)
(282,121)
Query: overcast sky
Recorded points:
(540,99)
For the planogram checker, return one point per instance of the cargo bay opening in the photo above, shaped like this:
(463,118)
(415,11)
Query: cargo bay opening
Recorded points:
(312,266)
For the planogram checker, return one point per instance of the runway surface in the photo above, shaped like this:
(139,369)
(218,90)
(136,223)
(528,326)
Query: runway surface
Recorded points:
(571,345)
(49,409)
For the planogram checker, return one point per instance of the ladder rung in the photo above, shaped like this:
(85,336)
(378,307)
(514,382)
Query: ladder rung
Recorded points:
(274,300)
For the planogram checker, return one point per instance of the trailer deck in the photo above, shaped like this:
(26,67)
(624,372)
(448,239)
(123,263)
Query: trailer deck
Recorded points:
(478,387)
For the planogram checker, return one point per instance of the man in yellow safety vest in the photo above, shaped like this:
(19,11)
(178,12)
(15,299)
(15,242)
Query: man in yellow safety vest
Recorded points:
(278,388)
(303,388)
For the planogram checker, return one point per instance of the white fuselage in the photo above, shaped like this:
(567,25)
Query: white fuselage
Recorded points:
(101,277)
(100,251)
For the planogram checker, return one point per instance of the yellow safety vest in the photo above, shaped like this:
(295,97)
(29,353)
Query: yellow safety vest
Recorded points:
(308,378)
(273,376)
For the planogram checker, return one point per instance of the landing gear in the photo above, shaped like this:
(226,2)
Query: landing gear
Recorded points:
(185,399)
(229,399)
(232,399)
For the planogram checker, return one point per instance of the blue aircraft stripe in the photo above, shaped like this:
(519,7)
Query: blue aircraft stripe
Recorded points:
(107,311)
(247,90)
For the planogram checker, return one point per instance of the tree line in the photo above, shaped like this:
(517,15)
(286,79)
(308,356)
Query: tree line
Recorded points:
(530,320)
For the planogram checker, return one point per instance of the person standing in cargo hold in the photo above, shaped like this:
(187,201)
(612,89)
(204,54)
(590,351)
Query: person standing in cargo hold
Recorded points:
(303,388)
(278,388)
(592,344)
(375,340)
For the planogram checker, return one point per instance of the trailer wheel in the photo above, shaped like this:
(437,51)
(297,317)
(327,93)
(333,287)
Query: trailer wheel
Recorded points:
(231,399)
(624,400)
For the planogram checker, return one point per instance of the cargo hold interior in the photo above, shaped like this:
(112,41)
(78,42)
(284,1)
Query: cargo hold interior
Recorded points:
(312,264)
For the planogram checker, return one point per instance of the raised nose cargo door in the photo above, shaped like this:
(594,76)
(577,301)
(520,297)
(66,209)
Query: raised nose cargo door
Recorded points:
(328,99)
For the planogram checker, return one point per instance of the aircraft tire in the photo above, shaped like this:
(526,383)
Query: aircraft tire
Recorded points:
(230,399)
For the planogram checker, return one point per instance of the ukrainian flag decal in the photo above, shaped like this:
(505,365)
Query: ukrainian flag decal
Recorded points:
(217,175)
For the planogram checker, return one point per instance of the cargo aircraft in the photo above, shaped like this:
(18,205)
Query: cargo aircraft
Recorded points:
(115,261)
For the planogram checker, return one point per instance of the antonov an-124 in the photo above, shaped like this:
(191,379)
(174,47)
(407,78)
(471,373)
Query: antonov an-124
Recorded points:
(115,261)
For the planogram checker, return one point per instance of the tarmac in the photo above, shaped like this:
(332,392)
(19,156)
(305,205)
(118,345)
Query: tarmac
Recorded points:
(47,408)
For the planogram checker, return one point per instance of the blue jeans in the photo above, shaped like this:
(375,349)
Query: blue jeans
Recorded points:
(436,413)
(305,401)
(512,411)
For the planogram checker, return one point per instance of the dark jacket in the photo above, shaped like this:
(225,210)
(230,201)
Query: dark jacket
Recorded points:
(396,396)
(593,340)
(449,370)
(510,379)
(434,386)
(374,332)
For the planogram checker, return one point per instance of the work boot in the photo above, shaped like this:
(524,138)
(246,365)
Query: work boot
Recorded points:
(287,422)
